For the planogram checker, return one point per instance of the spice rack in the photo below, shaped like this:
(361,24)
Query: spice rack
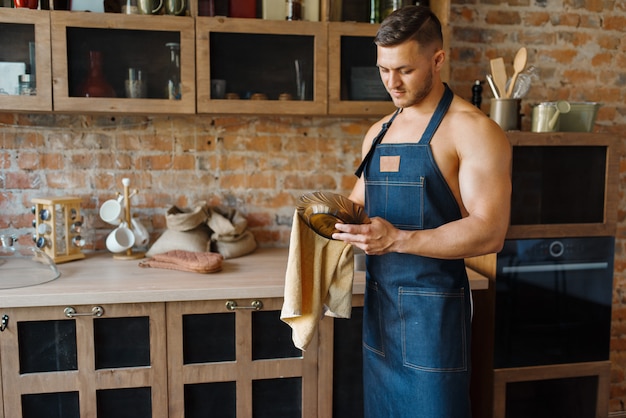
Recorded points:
(58,225)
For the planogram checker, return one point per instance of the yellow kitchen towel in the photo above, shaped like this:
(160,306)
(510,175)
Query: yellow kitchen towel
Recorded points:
(318,281)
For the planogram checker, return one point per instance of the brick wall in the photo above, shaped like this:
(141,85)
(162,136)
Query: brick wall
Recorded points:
(261,164)
(258,165)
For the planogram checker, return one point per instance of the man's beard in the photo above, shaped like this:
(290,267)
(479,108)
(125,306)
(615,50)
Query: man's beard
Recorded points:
(419,95)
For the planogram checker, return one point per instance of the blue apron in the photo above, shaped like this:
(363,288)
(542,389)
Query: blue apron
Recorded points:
(416,324)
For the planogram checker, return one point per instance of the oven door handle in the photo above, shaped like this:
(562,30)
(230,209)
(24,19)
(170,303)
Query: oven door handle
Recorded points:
(555,267)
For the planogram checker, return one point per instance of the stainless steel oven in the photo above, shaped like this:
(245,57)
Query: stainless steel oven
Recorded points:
(553,301)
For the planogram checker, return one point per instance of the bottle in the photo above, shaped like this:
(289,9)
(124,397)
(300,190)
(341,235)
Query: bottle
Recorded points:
(173,89)
(388,6)
(293,10)
(374,11)
(96,85)
(477,94)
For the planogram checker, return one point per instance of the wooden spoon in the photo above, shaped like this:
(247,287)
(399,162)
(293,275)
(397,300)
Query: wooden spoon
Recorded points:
(498,71)
(519,63)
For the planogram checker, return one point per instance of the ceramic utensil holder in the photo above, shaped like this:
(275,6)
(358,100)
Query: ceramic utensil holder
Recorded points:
(58,224)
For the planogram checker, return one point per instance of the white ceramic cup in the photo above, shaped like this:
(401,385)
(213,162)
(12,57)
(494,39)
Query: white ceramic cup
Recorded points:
(112,210)
(121,239)
(142,237)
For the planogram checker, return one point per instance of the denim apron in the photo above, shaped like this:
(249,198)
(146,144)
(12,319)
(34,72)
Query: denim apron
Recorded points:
(416,323)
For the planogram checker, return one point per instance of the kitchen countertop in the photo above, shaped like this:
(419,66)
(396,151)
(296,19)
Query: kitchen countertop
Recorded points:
(101,279)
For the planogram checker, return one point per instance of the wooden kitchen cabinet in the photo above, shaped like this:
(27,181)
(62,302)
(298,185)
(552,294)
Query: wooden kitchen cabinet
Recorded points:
(19,29)
(354,86)
(238,362)
(252,55)
(174,335)
(125,41)
(262,57)
(104,361)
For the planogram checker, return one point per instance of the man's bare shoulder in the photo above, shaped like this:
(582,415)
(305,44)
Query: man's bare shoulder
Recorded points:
(469,125)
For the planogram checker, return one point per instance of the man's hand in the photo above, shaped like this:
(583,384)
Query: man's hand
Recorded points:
(375,238)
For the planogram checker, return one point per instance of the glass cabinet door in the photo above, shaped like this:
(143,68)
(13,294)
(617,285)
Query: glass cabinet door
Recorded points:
(92,361)
(25,54)
(106,62)
(258,66)
(355,87)
(238,362)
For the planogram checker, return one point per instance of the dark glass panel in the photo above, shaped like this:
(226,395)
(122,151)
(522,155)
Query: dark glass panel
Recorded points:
(208,338)
(122,342)
(215,400)
(271,337)
(273,398)
(124,403)
(261,63)
(47,346)
(55,405)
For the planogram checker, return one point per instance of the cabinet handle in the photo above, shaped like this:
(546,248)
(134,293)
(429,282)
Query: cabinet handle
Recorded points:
(256,305)
(4,323)
(70,312)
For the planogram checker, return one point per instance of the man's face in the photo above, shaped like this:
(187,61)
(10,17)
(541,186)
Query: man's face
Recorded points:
(406,72)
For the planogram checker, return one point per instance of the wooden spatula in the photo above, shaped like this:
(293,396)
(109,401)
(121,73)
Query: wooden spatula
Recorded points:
(498,71)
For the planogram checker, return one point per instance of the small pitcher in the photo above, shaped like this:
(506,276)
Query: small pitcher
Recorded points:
(146,7)
(175,7)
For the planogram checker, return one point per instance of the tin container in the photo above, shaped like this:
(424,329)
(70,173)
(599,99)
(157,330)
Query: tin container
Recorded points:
(581,117)
(541,116)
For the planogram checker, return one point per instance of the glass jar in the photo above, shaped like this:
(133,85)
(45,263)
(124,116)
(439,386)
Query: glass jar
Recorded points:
(26,86)
(173,88)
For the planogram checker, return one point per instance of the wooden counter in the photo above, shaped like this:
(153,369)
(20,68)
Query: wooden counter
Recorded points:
(101,279)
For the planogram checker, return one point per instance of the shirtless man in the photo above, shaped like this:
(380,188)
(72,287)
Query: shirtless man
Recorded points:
(435,181)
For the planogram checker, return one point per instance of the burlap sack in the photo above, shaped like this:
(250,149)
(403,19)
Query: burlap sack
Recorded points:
(197,240)
(229,235)
(237,246)
(186,219)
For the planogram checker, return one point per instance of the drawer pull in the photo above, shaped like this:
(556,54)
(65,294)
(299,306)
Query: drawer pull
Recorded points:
(4,323)
(70,312)
(256,305)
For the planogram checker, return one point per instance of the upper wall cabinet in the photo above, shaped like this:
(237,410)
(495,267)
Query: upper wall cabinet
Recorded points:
(25,51)
(261,66)
(354,86)
(107,62)
(94,62)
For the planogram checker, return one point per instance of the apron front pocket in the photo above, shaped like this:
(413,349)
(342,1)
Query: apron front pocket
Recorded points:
(373,320)
(433,329)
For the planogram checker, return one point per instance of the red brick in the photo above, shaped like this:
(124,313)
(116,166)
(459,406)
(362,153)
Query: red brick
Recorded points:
(22,180)
(616,23)
(29,161)
(501,17)
(536,18)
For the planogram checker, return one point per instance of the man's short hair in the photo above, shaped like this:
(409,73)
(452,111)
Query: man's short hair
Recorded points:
(418,23)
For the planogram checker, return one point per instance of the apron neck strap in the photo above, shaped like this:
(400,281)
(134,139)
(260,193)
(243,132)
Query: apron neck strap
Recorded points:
(375,142)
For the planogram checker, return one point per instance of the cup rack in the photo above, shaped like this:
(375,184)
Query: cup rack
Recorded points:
(129,254)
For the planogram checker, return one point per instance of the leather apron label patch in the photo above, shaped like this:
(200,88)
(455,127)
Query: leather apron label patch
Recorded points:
(389,163)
